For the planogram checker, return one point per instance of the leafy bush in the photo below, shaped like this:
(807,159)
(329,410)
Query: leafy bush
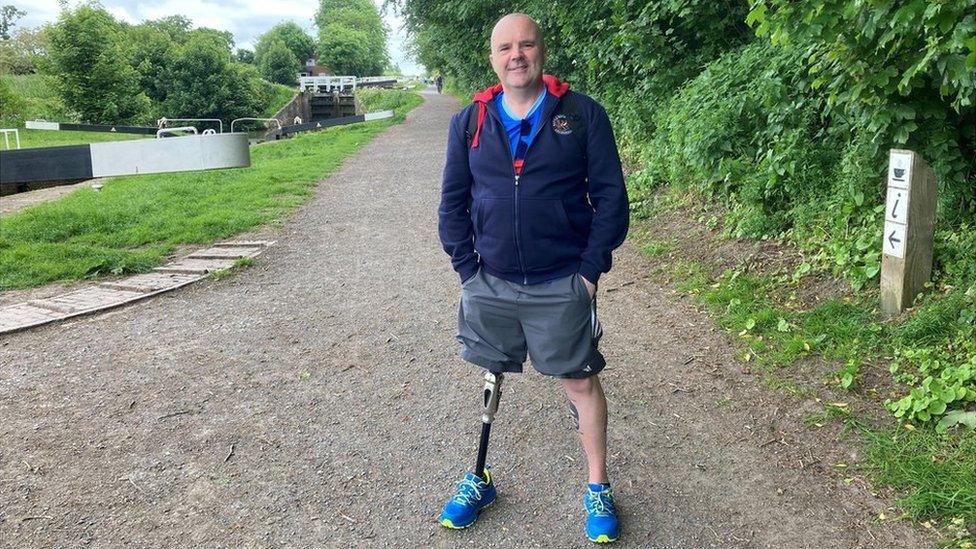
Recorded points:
(91,67)
(205,82)
(278,63)
(270,52)
(906,77)
(352,37)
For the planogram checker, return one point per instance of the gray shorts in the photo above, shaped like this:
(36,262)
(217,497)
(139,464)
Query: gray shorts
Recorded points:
(554,323)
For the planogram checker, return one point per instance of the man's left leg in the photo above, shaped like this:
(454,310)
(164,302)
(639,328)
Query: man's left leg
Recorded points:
(591,411)
(561,331)
(591,406)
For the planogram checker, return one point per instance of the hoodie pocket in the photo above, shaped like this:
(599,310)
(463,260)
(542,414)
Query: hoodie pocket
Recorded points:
(547,237)
(494,233)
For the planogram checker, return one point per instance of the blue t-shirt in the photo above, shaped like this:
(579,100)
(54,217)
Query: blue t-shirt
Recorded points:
(513,123)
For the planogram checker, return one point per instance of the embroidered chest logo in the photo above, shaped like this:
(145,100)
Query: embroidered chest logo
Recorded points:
(562,125)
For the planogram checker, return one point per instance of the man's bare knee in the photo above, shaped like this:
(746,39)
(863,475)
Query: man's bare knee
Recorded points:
(580,387)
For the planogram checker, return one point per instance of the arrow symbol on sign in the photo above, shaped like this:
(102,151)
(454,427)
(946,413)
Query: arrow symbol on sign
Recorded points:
(894,210)
(892,240)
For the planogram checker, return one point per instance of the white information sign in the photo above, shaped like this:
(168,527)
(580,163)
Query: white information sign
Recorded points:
(894,239)
(896,206)
(899,169)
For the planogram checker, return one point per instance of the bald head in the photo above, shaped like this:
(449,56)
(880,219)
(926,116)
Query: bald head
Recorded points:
(516,20)
(517,52)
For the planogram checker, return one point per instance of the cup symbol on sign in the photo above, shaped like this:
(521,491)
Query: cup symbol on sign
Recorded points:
(899,173)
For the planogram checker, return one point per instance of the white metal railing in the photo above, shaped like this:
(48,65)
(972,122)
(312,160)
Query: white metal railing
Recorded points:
(236,120)
(162,122)
(6,137)
(326,84)
(40,124)
(173,131)
(375,79)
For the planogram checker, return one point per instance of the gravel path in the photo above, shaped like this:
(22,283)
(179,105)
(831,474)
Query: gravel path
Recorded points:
(315,399)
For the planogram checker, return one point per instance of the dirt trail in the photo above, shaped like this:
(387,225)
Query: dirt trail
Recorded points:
(315,399)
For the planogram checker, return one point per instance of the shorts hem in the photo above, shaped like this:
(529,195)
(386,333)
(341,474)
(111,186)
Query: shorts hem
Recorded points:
(595,366)
(492,366)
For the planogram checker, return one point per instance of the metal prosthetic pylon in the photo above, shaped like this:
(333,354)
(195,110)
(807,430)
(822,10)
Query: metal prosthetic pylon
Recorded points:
(492,392)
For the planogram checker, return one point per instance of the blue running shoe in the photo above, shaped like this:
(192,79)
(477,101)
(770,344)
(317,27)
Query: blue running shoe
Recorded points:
(601,515)
(473,495)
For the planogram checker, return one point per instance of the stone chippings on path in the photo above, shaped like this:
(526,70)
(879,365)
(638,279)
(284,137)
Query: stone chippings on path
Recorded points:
(316,400)
(108,295)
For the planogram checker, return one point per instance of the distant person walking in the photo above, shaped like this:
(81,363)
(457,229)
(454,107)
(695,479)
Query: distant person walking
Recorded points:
(439,82)
(530,231)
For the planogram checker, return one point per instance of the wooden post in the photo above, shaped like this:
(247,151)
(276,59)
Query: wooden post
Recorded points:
(909,228)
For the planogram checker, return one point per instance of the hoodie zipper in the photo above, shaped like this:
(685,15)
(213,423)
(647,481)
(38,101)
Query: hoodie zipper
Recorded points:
(518,250)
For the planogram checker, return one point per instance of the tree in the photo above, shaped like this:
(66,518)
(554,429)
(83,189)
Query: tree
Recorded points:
(25,51)
(245,56)
(92,68)
(352,37)
(153,44)
(205,82)
(177,27)
(278,63)
(9,14)
(296,40)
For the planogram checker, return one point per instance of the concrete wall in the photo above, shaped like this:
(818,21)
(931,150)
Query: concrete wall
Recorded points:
(298,106)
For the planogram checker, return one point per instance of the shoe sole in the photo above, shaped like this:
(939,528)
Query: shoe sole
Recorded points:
(602,538)
(446,523)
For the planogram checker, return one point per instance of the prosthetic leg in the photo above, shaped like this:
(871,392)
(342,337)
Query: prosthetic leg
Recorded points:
(493,385)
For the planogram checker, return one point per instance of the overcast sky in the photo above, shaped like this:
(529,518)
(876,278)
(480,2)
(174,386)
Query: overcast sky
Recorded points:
(246,19)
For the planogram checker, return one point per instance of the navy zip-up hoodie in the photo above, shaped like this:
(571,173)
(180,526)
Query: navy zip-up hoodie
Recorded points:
(563,213)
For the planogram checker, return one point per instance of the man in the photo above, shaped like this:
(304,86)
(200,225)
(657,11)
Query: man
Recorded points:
(533,202)
(439,81)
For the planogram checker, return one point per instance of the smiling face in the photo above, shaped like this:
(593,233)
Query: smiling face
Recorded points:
(517,52)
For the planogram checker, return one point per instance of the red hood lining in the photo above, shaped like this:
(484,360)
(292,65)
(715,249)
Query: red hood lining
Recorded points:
(553,86)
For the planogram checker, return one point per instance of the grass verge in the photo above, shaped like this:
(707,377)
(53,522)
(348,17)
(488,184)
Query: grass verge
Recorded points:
(836,348)
(135,221)
(45,138)
(283,96)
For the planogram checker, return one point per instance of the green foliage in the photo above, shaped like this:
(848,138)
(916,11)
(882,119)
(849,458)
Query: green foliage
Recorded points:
(91,64)
(936,472)
(378,99)
(134,221)
(205,82)
(278,64)
(11,106)
(24,52)
(244,56)
(45,138)
(153,46)
(298,42)
(352,37)
(30,97)
(906,77)
(935,353)
(277,97)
